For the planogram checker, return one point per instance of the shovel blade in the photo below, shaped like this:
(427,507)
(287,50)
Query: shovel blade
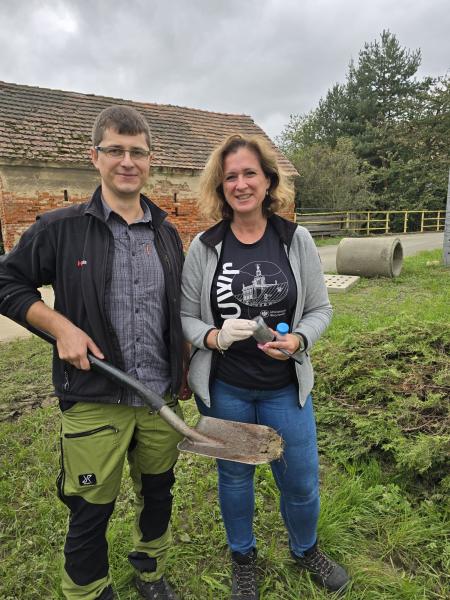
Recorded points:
(231,440)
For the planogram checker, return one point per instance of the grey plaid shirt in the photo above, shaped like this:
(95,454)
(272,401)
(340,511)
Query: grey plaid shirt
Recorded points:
(136,303)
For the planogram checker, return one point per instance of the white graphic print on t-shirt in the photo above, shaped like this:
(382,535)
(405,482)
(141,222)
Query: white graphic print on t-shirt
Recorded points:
(258,284)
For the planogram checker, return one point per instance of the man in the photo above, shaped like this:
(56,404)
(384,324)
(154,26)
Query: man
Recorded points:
(115,266)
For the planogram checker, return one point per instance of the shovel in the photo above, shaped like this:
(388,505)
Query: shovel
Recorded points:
(217,438)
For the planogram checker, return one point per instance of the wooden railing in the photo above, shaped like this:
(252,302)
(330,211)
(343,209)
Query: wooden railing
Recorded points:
(371,221)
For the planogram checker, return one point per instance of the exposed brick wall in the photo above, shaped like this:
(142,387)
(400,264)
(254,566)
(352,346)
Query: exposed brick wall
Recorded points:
(173,193)
(2,214)
(184,215)
(20,211)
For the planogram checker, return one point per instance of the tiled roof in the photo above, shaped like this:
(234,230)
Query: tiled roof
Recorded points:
(44,125)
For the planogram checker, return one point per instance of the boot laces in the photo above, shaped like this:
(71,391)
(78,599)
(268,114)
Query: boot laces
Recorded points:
(245,578)
(319,562)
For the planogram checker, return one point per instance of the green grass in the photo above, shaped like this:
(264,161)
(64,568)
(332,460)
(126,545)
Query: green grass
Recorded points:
(381,403)
(25,376)
(328,241)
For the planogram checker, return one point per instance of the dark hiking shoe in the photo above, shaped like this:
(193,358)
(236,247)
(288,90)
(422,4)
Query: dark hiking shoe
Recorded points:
(107,594)
(155,590)
(324,571)
(243,568)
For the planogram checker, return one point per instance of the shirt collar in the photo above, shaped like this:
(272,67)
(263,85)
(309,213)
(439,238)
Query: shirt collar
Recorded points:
(146,217)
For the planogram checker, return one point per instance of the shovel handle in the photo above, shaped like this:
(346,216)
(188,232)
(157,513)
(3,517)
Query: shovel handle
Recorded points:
(154,401)
(204,443)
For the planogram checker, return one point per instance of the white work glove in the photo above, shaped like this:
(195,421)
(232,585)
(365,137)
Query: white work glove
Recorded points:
(234,330)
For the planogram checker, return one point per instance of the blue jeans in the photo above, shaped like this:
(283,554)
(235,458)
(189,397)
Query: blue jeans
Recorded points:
(296,474)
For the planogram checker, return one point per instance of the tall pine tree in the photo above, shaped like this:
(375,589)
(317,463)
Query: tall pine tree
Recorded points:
(398,125)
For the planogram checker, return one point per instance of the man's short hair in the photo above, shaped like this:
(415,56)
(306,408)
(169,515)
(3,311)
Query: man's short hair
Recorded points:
(124,120)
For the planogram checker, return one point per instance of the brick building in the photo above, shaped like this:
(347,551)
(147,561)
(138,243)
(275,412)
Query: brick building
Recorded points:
(45,162)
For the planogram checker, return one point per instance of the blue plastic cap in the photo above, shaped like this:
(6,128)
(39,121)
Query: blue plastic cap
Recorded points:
(282,328)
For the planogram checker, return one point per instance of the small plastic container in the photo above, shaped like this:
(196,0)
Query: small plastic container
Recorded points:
(282,328)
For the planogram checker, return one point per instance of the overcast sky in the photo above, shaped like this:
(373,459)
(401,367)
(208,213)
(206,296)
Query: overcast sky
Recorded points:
(265,58)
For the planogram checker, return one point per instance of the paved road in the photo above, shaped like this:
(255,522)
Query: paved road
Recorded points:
(10,331)
(412,244)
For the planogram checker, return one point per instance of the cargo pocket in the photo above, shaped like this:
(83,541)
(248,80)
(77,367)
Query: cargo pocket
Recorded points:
(91,464)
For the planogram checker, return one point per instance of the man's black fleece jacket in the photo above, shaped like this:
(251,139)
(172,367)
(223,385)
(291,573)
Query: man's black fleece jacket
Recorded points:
(71,249)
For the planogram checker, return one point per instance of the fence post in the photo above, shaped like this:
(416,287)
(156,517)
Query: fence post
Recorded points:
(386,228)
(405,222)
(422,219)
(368,224)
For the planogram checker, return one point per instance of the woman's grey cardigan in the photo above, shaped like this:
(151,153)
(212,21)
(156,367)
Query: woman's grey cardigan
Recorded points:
(312,313)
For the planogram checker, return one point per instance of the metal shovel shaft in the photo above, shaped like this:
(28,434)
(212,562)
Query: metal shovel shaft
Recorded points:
(228,440)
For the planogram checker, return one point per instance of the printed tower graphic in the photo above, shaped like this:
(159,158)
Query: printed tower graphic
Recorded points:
(260,293)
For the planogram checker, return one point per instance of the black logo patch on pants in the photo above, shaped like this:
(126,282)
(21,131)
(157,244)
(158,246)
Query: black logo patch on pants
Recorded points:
(87,479)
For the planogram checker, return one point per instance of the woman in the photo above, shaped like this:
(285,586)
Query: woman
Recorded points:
(253,262)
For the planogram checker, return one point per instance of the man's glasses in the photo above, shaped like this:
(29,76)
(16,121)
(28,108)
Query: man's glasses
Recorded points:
(119,152)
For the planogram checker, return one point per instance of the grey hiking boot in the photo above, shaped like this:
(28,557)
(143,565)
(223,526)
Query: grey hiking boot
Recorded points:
(243,568)
(155,590)
(324,571)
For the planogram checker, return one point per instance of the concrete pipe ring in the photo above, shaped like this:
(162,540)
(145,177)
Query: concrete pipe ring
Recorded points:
(370,257)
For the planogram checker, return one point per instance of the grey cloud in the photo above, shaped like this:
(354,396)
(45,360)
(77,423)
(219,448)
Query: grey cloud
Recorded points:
(266,58)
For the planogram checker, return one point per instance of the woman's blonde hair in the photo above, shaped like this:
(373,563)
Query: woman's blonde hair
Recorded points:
(212,203)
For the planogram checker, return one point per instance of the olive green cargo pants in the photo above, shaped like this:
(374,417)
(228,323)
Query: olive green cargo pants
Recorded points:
(95,438)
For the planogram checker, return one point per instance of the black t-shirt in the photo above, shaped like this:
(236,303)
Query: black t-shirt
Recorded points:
(250,280)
